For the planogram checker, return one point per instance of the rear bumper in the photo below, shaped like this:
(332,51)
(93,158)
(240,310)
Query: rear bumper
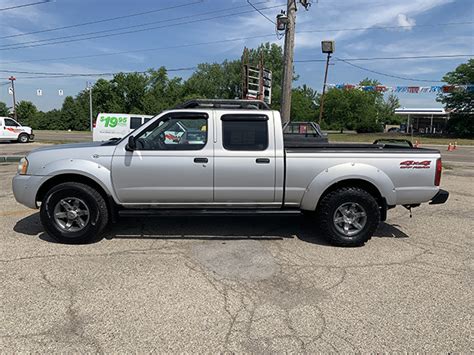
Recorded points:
(440,197)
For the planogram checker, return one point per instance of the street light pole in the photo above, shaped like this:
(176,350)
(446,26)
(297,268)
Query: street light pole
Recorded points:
(327,47)
(321,106)
(12,79)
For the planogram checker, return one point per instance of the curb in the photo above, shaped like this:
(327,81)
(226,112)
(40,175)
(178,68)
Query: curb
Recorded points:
(10,159)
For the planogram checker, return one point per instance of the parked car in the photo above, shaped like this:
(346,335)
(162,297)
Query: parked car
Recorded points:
(394,130)
(235,162)
(116,125)
(11,130)
(300,133)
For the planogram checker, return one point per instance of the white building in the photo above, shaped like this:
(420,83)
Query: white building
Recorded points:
(423,120)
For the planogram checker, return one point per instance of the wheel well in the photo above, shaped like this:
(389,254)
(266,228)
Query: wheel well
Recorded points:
(362,184)
(59,179)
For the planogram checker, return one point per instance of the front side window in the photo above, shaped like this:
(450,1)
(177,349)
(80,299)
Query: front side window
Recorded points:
(245,132)
(135,122)
(10,123)
(186,132)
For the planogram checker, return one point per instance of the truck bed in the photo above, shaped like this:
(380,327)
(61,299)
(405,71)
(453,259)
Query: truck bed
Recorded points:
(354,148)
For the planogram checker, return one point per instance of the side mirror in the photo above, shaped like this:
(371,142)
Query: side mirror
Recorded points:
(131,145)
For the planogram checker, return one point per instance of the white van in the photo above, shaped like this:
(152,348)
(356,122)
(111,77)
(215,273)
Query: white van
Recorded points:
(116,125)
(11,130)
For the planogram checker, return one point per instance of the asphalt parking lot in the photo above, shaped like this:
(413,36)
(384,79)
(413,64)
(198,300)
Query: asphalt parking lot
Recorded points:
(263,284)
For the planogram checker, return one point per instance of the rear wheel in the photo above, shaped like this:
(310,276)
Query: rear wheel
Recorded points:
(348,216)
(74,213)
(23,138)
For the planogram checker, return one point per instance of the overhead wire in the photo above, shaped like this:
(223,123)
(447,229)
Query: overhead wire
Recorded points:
(389,75)
(40,75)
(31,44)
(260,12)
(24,5)
(103,20)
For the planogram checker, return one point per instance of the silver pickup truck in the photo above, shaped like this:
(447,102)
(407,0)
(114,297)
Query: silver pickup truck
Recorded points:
(231,158)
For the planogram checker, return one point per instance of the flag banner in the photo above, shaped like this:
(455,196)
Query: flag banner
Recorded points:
(445,89)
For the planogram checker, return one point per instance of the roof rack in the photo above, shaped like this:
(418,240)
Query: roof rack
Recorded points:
(226,104)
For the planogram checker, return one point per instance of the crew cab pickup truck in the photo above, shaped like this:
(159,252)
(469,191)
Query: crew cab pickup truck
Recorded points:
(232,161)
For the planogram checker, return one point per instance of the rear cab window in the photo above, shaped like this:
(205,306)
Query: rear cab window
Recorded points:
(248,132)
(135,122)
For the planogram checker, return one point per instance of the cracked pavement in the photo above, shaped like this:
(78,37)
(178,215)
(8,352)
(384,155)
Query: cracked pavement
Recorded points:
(246,284)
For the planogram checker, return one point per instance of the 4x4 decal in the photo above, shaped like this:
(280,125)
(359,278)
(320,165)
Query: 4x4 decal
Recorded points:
(413,164)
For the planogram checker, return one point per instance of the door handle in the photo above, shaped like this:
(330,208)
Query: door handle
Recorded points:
(201,160)
(262,161)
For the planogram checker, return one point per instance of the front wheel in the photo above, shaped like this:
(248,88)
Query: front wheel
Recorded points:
(348,216)
(73,213)
(23,138)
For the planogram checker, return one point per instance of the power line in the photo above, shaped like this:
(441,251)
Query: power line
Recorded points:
(207,19)
(389,58)
(24,5)
(389,75)
(84,74)
(261,13)
(388,27)
(103,20)
(30,43)
(142,50)
(79,75)
(347,61)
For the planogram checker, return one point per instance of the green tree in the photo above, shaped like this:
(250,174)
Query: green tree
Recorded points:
(26,111)
(162,92)
(212,81)
(4,110)
(73,116)
(363,111)
(303,104)
(461,102)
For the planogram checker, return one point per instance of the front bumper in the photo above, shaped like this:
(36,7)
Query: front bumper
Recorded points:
(25,188)
(32,137)
(440,197)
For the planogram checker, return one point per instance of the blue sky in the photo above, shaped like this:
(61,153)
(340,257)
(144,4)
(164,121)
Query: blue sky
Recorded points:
(412,40)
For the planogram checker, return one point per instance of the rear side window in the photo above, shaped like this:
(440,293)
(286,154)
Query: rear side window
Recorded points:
(135,122)
(245,132)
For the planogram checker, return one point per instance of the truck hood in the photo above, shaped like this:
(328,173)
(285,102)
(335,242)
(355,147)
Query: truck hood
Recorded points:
(68,146)
(39,159)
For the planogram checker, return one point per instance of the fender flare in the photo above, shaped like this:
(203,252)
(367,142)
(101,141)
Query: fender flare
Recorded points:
(92,170)
(347,171)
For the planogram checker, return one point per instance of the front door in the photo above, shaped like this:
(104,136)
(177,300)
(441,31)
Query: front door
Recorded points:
(172,164)
(11,129)
(244,159)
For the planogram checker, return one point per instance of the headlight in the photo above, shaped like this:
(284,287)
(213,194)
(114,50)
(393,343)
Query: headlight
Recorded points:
(22,166)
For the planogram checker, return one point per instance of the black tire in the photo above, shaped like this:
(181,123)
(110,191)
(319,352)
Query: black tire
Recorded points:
(91,201)
(23,138)
(350,200)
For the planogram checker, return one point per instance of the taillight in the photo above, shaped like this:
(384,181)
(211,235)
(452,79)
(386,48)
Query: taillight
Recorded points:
(439,168)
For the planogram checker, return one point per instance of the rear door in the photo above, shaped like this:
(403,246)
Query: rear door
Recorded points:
(244,171)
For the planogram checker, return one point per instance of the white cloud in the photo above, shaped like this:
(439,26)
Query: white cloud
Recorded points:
(405,21)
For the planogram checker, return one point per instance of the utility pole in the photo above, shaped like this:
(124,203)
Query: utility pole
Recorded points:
(89,87)
(288,61)
(12,79)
